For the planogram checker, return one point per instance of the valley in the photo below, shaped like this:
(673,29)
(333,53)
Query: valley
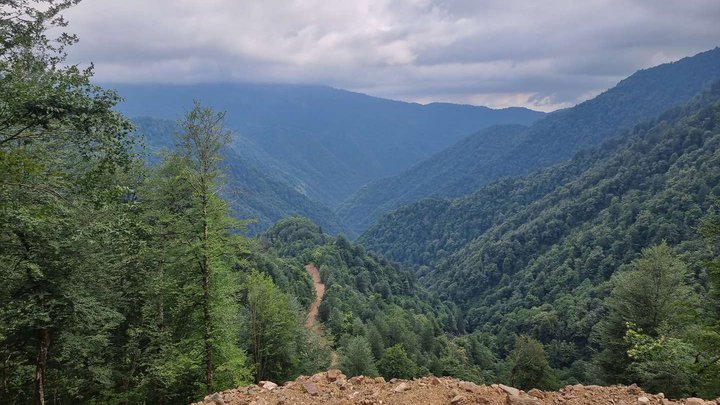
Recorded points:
(220,222)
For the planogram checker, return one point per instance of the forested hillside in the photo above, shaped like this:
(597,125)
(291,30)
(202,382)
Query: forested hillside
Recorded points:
(535,255)
(333,141)
(487,156)
(254,188)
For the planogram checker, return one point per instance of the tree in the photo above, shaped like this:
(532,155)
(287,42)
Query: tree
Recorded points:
(529,367)
(357,358)
(270,329)
(212,245)
(651,296)
(395,363)
(59,139)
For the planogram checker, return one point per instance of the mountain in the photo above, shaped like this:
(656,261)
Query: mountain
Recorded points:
(533,255)
(255,190)
(333,141)
(499,151)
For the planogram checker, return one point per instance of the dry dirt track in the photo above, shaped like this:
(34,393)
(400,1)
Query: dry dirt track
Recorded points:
(319,292)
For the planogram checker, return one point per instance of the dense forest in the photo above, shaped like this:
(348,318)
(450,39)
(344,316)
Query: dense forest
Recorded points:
(540,255)
(130,282)
(128,275)
(502,151)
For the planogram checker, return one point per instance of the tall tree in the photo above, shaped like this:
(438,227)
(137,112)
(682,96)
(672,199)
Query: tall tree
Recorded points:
(212,244)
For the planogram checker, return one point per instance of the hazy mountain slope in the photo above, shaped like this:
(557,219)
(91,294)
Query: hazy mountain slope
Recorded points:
(447,173)
(534,253)
(255,189)
(334,141)
(641,96)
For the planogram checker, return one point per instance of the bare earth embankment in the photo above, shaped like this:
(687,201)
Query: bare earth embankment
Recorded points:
(332,387)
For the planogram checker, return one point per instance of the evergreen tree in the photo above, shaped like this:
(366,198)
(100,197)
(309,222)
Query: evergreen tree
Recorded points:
(357,358)
(529,366)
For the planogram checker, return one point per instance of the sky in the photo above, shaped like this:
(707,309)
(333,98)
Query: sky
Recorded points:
(543,55)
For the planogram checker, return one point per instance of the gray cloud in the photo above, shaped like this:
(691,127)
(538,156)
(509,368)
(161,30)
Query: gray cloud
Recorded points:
(543,55)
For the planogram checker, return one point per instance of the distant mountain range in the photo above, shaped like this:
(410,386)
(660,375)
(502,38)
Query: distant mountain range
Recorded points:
(512,151)
(320,143)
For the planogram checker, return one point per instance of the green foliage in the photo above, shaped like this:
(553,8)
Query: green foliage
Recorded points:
(357,358)
(513,151)
(529,366)
(534,255)
(270,325)
(395,363)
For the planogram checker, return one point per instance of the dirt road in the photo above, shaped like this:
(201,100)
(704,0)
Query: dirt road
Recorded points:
(319,292)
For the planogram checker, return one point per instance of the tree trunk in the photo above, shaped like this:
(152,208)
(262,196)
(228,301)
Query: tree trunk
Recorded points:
(206,300)
(41,365)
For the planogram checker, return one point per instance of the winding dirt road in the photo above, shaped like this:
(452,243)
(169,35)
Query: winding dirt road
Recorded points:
(319,292)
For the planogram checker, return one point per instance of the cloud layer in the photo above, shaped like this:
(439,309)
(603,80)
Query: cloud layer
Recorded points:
(540,54)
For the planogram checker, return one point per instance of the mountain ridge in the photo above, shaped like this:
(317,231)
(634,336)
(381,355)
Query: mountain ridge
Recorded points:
(558,135)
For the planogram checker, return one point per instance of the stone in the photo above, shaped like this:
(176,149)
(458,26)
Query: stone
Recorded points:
(643,400)
(469,387)
(402,387)
(518,400)
(379,380)
(435,381)
(509,390)
(457,399)
(333,375)
(694,401)
(310,388)
(536,393)
(217,398)
(268,385)
(633,389)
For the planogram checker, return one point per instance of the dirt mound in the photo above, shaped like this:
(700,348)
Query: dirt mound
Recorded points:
(332,387)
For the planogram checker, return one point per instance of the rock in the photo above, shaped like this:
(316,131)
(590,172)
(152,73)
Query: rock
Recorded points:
(310,388)
(268,385)
(509,390)
(259,401)
(217,398)
(470,387)
(457,399)
(358,379)
(665,401)
(518,400)
(435,381)
(536,393)
(379,380)
(402,387)
(694,401)
(633,389)
(643,400)
(333,375)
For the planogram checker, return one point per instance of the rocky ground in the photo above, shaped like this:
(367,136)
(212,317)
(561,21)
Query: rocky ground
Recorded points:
(332,387)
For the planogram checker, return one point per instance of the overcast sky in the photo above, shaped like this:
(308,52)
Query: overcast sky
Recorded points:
(540,54)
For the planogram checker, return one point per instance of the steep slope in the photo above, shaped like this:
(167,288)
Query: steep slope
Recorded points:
(532,255)
(334,141)
(255,189)
(558,136)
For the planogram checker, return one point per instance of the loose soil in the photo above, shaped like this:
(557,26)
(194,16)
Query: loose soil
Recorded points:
(332,387)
